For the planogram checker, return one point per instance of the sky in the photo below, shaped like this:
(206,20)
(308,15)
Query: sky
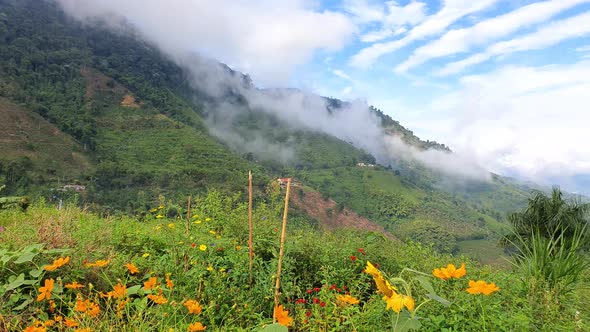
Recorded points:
(504,81)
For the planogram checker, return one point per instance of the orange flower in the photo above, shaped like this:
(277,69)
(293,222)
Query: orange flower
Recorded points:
(132,268)
(57,264)
(70,322)
(158,299)
(74,285)
(282,316)
(81,306)
(481,287)
(193,307)
(347,299)
(35,329)
(151,283)
(49,322)
(93,309)
(45,291)
(196,327)
(449,272)
(169,282)
(86,329)
(98,263)
(119,291)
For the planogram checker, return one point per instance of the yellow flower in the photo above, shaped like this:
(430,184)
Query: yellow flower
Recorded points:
(282,316)
(171,225)
(145,255)
(132,268)
(158,299)
(45,291)
(193,307)
(238,248)
(210,268)
(74,285)
(160,207)
(449,272)
(207,219)
(398,301)
(98,263)
(196,327)
(86,329)
(57,264)
(197,221)
(383,284)
(152,210)
(347,299)
(202,247)
(212,232)
(151,283)
(481,287)
(159,216)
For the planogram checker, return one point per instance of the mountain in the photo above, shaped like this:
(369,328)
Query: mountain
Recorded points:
(133,125)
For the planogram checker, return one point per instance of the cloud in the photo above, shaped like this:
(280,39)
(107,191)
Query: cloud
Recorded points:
(435,24)
(547,35)
(341,74)
(530,122)
(462,40)
(264,38)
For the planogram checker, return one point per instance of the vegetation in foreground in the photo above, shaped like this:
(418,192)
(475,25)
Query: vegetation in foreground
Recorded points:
(68,269)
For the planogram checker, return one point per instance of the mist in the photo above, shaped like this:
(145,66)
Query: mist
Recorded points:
(182,30)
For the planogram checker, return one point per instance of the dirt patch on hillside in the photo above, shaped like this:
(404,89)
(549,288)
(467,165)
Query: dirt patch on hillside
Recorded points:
(97,82)
(330,216)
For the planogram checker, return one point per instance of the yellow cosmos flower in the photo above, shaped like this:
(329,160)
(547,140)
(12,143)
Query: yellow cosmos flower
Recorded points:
(158,299)
(198,326)
(202,247)
(145,255)
(74,285)
(132,268)
(481,287)
(282,316)
(347,299)
(449,272)
(45,291)
(193,307)
(98,263)
(57,264)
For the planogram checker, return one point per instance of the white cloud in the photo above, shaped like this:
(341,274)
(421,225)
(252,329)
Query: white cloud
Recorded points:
(435,24)
(548,35)
(341,74)
(373,36)
(462,40)
(529,121)
(264,38)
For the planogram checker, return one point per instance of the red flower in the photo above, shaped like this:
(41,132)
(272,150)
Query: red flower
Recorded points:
(345,287)
(309,291)
(353,258)
(322,304)
(193,245)
(316,300)
(338,290)
(317,289)
(300,301)
(333,287)
(362,251)
(308,313)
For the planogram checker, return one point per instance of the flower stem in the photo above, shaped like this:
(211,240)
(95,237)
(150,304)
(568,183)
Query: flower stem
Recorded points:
(483,315)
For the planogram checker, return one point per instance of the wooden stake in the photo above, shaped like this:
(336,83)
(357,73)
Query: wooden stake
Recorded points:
(250,236)
(282,248)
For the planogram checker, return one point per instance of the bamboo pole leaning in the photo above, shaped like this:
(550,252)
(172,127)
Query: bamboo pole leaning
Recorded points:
(188,218)
(250,235)
(282,248)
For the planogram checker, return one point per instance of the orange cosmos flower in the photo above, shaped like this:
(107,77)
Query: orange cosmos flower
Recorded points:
(481,287)
(198,326)
(449,272)
(70,322)
(81,306)
(151,283)
(282,316)
(98,263)
(74,285)
(45,291)
(193,307)
(158,299)
(347,299)
(119,291)
(57,264)
(35,329)
(169,282)
(132,268)
(93,309)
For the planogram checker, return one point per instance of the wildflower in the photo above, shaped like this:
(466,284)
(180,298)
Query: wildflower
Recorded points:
(333,287)
(160,207)
(398,301)
(193,245)
(93,309)
(449,272)
(158,299)
(322,304)
(353,258)
(193,307)
(35,329)
(196,222)
(210,268)
(159,216)
(347,299)
(212,232)
(198,326)
(52,306)
(145,255)
(70,322)
(317,289)
(481,287)
(86,329)
(282,316)
(45,291)
(309,291)
(74,285)
(383,285)
(171,225)
(119,291)
(151,283)
(57,264)
(169,282)
(49,323)
(81,306)
(362,251)
(315,300)
(132,268)
(98,263)
(238,248)
(308,313)
(207,219)
(202,247)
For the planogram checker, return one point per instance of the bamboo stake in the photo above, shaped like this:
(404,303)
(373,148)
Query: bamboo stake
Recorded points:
(188,218)
(282,248)
(250,236)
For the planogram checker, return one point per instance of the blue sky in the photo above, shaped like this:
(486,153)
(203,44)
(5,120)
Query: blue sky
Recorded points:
(504,82)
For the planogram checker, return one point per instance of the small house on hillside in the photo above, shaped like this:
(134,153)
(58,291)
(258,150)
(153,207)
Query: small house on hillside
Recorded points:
(283,182)
(365,165)
(73,187)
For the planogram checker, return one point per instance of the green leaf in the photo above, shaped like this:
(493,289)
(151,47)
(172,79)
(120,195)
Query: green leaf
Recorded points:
(425,283)
(406,323)
(25,257)
(24,304)
(439,299)
(274,328)
(17,282)
(133,290)
(35,273)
